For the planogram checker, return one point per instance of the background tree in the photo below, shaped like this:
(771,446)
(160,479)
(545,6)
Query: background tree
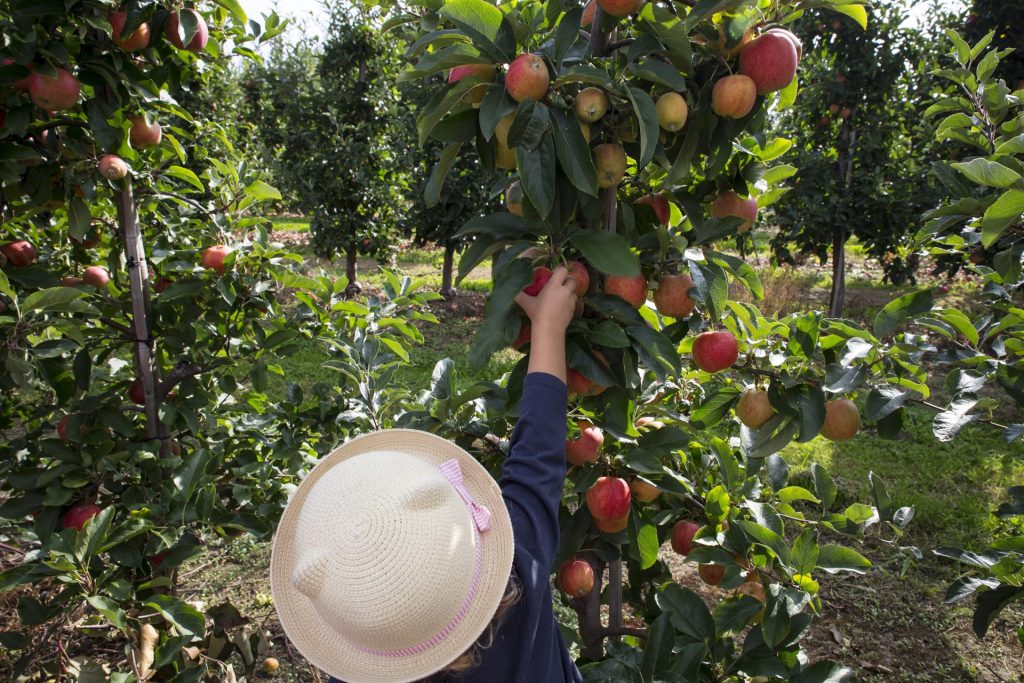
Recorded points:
(1005,19)
(860,147)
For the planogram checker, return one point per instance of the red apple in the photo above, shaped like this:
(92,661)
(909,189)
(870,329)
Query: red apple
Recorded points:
(611,526)
(176,34)
(22,83)
(729,204)
(576,578)
(78,515)
(754,408)
(712,574)
(715,350)
(112,167)
(541,275)
(770,60)
(621,8)
(586,447)
(156,560)
(752,588)
(632,289)
(608,498)
(660,206)
(485,72)
(833,108)
(144,134)
(96,276)
(136,393)
(524,335)
(588,13)
(527,78)
(791,37)
(54,94)
(138,40)
(682,536)
(162,284)
(580,385)
(213,257)
(734,96)
(842,420)
(672,296)
(643,490)
(845,113)
(580,276)
(19,253)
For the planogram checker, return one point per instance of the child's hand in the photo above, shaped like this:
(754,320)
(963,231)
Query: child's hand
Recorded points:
(552,309)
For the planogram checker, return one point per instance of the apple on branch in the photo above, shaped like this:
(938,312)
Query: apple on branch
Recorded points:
(714,351)
(576,578)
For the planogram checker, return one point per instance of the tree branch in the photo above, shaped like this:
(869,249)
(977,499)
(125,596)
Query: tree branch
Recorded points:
(609,631)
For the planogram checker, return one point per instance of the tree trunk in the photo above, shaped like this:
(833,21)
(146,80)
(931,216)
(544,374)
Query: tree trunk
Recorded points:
(350,272)
(588,610)
(837,298)
(446,269)
(615,596)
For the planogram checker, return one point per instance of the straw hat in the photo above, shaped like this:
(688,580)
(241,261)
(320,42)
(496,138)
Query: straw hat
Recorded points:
(391,557)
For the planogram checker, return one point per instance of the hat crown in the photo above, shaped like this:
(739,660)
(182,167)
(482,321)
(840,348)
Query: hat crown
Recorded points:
(365,555)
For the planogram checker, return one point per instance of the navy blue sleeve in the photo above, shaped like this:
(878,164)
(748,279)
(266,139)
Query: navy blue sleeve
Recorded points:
(534,472)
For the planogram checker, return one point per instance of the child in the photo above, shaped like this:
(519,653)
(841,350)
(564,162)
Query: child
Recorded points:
(380,575)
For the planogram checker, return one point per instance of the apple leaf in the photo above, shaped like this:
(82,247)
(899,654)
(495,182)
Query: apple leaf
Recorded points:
(606,251)
(1004,212)
(537,173)
(898,310)
(432,191)
(988,173)
(856,12)
(574,153)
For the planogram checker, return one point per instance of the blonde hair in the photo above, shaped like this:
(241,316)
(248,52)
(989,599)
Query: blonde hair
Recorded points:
(471,657)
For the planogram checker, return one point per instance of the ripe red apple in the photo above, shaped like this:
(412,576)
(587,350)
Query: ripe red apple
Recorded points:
(833,108)
(770,60)
(576,578)
(213,257)
(734,96)
(62,428)
(485,72)
(660,206)
(54,94)
(162,284)
(789,35)
(112,167)
(524,336)
(591,104)
(711,574)
(845,113)
(632,289)
(144,134)
(138,40)
(580,276)
(612,526)
(580,385)
(754,408)
(731,204)
(610,160)
(541,275)
(586,447)
(527,78)
(621,8)
(78,515)
(96,276)
(608,498)
(682,536)
(176,34)
(643,490)
(842,420)
(672,111)
(19,253)
(672,296)
(715,350)
(136,393)
(156,560)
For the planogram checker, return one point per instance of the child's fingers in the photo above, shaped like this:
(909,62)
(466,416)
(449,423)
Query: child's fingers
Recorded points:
(526,302)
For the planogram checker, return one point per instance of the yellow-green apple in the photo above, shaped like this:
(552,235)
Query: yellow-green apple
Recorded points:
(19,253)
(610,160)
(176,34)
(734,96)
(771,61)
(682,536)
(96,276)
(608,498)
(576,578)
(586,447)
(842,420)
(580,276)
(711,574)
(731,204)
(672,111)
(54,94)
(621,8)
(143,133)
(527,78)
(213,257)
(643,490)
(672,296)
(270,665)
(715,350)
(585,129)
(78,515)
(630,288)
(112,167)
(541,275)
(138,40)
(514,198)
(591,104)
(504,157)
(660,206)
(754,408)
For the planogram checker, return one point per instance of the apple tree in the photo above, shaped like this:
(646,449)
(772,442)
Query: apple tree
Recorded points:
(637,134)
(143,315)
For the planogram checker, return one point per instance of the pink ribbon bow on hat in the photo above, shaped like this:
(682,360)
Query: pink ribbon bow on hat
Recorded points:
(480,514)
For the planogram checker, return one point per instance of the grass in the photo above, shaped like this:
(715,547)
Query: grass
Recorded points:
(290,224)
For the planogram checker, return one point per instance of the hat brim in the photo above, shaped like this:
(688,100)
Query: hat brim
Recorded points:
(310,633)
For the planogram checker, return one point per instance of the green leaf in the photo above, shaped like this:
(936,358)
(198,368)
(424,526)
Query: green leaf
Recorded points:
(647,544)
(537,173)
(79,218)
(656,350)
(606,251)
(716,504)
(732,615)
(185,618)
(574,153)
(988,173)
(110,609)
(508,282)
(1004,212)
(236,11)
(658,648)
(687,611)
(481,21)
(189,177)
(432,191)
(660,73)
(804,553)
(529,125)
(885,399)
(53,299)
(712,284)
(835,558)
(857,12)
(791,494)
(648,119)
(741,270)
(261,191)
(895,312)
(824,485)
(715,406)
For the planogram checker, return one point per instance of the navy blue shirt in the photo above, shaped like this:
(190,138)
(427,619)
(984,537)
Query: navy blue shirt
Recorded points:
(528,646)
